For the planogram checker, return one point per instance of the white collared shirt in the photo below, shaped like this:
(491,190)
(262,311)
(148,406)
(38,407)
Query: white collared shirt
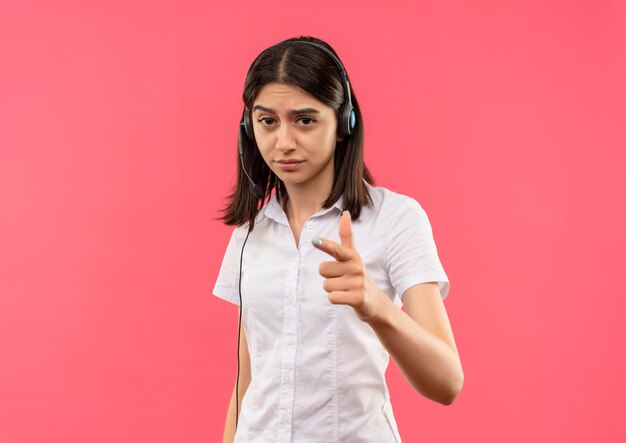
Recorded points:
(317,371)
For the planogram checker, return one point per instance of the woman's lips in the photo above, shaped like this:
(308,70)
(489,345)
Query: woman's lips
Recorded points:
(289,165)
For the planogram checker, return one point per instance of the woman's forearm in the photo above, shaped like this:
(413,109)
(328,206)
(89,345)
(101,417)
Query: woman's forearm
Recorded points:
(430,365)
(230,424)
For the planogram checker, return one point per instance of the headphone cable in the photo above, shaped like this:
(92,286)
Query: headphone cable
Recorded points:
(239,332)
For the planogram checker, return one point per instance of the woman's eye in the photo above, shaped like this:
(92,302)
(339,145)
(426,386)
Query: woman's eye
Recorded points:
(269,121)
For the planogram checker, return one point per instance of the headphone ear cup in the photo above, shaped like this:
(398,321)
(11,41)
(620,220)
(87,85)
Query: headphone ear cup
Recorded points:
(348,121)
(352,120)
(247,123)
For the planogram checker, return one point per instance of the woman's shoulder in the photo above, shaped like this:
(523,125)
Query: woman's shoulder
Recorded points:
(386,200)
(240,232)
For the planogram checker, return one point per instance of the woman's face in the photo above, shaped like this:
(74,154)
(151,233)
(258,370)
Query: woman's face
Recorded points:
(296,135)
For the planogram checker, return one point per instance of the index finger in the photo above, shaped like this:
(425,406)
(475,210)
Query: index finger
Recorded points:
(333,249)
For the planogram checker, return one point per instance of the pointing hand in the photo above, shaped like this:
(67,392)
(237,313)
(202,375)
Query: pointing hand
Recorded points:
(346,280)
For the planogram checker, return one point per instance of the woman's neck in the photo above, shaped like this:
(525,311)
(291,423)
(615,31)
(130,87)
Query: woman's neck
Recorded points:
(302,202)
(300,205)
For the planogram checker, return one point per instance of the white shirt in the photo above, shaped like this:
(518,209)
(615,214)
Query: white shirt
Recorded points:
(317,371)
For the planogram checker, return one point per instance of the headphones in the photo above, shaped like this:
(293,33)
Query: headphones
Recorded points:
(345,127)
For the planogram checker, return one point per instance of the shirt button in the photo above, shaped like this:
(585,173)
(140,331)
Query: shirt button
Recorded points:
(309,225)
(290,339)
(291,299)
(284,418)
(286,379)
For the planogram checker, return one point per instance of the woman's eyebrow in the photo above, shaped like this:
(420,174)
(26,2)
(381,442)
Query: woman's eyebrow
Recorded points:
(292,112)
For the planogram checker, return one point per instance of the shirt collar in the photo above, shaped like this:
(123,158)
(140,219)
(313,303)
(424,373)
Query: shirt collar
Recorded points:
(275,211)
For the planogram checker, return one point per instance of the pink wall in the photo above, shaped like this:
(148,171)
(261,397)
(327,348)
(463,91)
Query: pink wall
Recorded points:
(118,146)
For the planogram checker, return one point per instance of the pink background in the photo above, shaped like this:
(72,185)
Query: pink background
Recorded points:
(118,120)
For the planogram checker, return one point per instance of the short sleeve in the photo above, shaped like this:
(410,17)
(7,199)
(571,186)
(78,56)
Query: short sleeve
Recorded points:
(227,283)
(411,255)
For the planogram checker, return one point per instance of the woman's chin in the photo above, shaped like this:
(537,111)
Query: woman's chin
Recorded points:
(289,178)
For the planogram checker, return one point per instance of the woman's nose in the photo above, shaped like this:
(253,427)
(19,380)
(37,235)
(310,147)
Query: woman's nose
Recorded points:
(285,138)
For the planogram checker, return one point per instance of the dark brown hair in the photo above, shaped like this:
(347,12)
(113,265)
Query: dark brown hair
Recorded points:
(309,68)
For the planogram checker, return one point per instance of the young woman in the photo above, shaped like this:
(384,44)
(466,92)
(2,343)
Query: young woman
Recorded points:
(320,263)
